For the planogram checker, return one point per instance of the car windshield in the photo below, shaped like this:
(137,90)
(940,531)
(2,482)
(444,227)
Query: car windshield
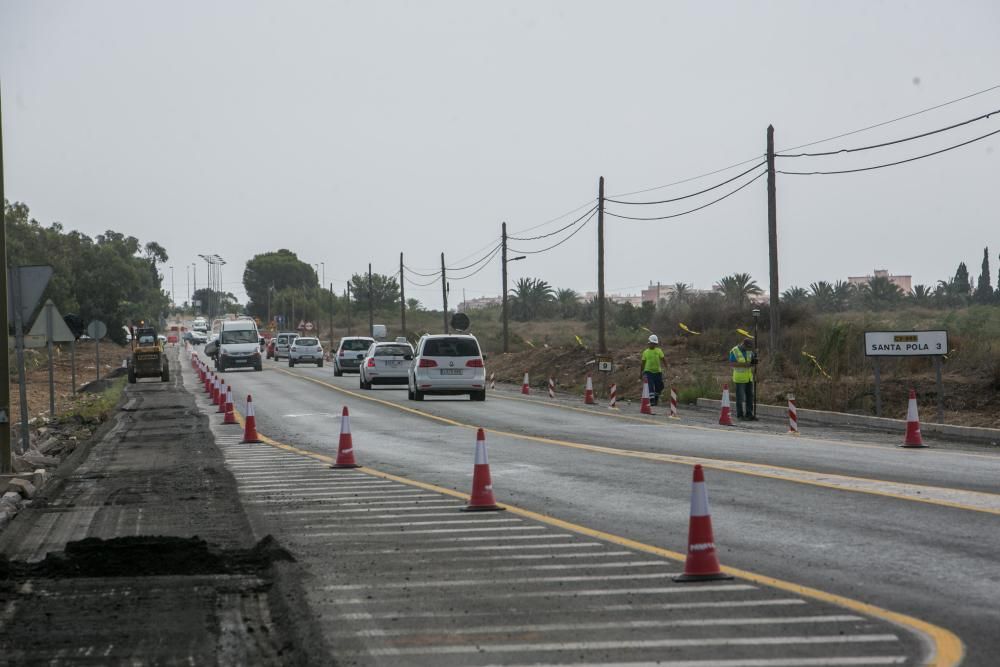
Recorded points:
(239,336)
(356,345)
(392,351)
(306,341)
(451,347)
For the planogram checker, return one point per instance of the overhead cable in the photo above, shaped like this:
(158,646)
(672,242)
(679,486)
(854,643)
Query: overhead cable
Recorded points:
(677,215)
(543,236)
(556,245)
(489,260)
(413,282)
(558,217)
(481,259)
(418,273)
(891,143)
(887,164)
(693,194)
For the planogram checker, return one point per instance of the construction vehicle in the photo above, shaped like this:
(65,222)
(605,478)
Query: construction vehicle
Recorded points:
(148,359)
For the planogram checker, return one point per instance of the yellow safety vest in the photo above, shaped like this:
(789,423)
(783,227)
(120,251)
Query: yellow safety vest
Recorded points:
(741,375)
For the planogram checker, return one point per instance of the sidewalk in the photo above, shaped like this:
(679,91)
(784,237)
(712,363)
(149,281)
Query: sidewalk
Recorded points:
(139,551)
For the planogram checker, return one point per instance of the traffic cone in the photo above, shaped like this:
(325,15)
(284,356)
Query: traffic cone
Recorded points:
(482,499)
(588,392)
(250,428)
(230,417)
(206,380)
(345,449)
(223,390)
(673,404)
(552,387)
(793,416)
(702,564)
(726,416)
(217,391)
(525,389)
(913,438)
(493,380)
(613,397)
(645,407)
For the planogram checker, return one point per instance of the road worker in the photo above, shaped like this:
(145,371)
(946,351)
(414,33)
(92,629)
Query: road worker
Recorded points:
(742,360)
(652,368)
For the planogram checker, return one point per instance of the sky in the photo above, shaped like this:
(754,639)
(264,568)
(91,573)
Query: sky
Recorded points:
(349,132)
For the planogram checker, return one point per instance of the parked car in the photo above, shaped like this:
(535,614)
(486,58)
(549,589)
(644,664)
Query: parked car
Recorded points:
(283,342)
(447,364)
(350,352)
(238,346)
(385,363)
(305,350)
(269,351)
(198,338)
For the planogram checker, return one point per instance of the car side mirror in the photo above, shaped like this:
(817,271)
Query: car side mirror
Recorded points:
(361,356)
(484,356)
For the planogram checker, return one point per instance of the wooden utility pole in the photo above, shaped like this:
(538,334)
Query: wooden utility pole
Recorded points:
(331,319)
(774,338)
(602,342)
(402,296)
(371,305)
(348,309)
(444,293)
(503,297)
(6,462)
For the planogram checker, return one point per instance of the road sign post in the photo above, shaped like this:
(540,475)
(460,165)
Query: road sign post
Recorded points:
(97,330)
(907,344)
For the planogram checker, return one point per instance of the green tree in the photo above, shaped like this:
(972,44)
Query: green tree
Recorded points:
(823,297)
(921,295)
(384,290)
(680,293)
(531,297)
(569,303)
(962,284)
(795,296)
(738,288)
(984,291)
(275,271)
(414,305)
(879,293)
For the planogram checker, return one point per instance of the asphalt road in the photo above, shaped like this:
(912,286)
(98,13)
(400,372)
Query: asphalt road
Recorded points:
(914,532)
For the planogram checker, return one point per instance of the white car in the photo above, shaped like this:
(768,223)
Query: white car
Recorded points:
(305,350)
(385,363)
(447,364)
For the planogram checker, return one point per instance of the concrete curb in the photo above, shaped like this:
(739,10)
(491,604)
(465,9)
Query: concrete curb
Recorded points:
(988,435)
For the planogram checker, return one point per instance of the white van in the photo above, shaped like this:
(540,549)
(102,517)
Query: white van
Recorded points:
(239,346)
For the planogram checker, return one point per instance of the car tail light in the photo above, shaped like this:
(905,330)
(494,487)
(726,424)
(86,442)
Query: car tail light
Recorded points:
(427,363)
(474,363)
(371,363)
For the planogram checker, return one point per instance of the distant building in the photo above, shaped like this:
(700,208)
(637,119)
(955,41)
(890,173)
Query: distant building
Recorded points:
(904,283)
(634,299)
(480,302)
(656,292)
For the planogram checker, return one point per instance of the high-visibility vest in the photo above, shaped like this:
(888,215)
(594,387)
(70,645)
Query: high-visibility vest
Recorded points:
(741,374)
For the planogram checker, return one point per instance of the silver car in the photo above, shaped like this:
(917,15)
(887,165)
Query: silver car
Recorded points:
(349,354)
(305,350)
(447,364)
(385,363)
(282,343)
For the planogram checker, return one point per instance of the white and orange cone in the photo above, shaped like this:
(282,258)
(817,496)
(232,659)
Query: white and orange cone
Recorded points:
(644,406)
(588,392)
(250,426)
(482,499)
(613,397)
(230,417)
(552,387)
(223,392)
(525,388)
(793,416)
(702,563)
(345,448)
(493,380)
(913,437)
(673,404)
(726,415)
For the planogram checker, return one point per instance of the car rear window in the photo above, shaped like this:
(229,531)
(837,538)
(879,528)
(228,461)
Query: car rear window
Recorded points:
(306,341)
(356,345)
(451,347)
(392,351)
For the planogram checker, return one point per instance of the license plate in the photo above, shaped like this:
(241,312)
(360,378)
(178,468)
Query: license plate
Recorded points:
(305,356)
(393,364)
(451,371)
(241,361)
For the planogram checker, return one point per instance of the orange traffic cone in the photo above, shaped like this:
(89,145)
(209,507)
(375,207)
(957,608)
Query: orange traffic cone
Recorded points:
(673,404)
(216,382)
(482,499)
(702,564)
(345,449)
(913,438)
(726,416)
(223,390)
(250,429)
(588,392)
(230,417)
(644,406)
(525,389)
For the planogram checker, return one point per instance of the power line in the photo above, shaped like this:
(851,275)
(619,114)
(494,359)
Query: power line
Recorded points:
(418,273)
(535,238)
(413,282)
(891,143)
(693,194)
(556,245)
(677,215)
(487,263)
(888,164)
(557,218)
(481,259)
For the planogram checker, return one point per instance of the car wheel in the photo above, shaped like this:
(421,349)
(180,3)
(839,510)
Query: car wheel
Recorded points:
(131,375)
(220,366)
(418,395)
(319,364)
(337,372)
(478,396)
(291,364)
(258,367)
(165,375)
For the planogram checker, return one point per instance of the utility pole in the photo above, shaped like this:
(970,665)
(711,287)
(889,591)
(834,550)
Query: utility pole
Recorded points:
(371,304)
(402,296)
(503,296)
(331,318)
(444,293)
(348,309)
(774,338)
(194,285)
(602,343)
(173,294)
(6,461)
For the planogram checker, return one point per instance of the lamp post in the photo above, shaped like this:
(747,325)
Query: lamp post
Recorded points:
(756,319)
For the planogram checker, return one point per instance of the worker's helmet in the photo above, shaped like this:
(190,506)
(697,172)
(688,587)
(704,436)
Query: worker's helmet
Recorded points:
(653,339)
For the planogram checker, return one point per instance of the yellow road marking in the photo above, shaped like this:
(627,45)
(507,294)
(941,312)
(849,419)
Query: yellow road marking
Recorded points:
(792,475)
(947,649)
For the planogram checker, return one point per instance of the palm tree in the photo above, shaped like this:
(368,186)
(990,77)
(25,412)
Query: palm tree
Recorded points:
(843,293)
(569,302)
(921,295)
(681,293)
(738,288)
(823,296)
(879,293)
(531,295)
(795,296)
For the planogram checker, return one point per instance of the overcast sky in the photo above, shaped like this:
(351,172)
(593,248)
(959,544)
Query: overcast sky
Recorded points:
(350,131)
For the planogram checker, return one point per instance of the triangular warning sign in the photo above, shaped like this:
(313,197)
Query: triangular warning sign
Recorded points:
(60,332)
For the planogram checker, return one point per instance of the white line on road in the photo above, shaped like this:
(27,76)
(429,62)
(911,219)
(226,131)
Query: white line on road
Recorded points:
(391,508)
(334,498)
(397,533)
(502,582)
(596,592)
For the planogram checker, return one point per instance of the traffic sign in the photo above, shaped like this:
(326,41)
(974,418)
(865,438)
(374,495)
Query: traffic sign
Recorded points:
(97,330)
(309,326)
(905,343)
(32,280)
(60,332)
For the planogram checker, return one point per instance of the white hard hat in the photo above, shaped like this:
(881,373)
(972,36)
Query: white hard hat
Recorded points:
(653,339)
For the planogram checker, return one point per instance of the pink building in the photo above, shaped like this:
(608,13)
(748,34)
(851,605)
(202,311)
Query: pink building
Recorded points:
(904,283)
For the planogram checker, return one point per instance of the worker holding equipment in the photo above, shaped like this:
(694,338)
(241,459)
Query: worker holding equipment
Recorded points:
(652,368)
(742,360)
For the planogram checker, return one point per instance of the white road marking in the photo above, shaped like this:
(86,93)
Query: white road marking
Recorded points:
(854,661)
(597,592)
(340,510)
(397,533)
(492,581)
(334,498)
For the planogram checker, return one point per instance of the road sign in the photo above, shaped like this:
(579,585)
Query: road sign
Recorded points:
(97,330)
(30,341)
(33,280)
(60,332)
(604,364)
(905,343)
(309,326)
